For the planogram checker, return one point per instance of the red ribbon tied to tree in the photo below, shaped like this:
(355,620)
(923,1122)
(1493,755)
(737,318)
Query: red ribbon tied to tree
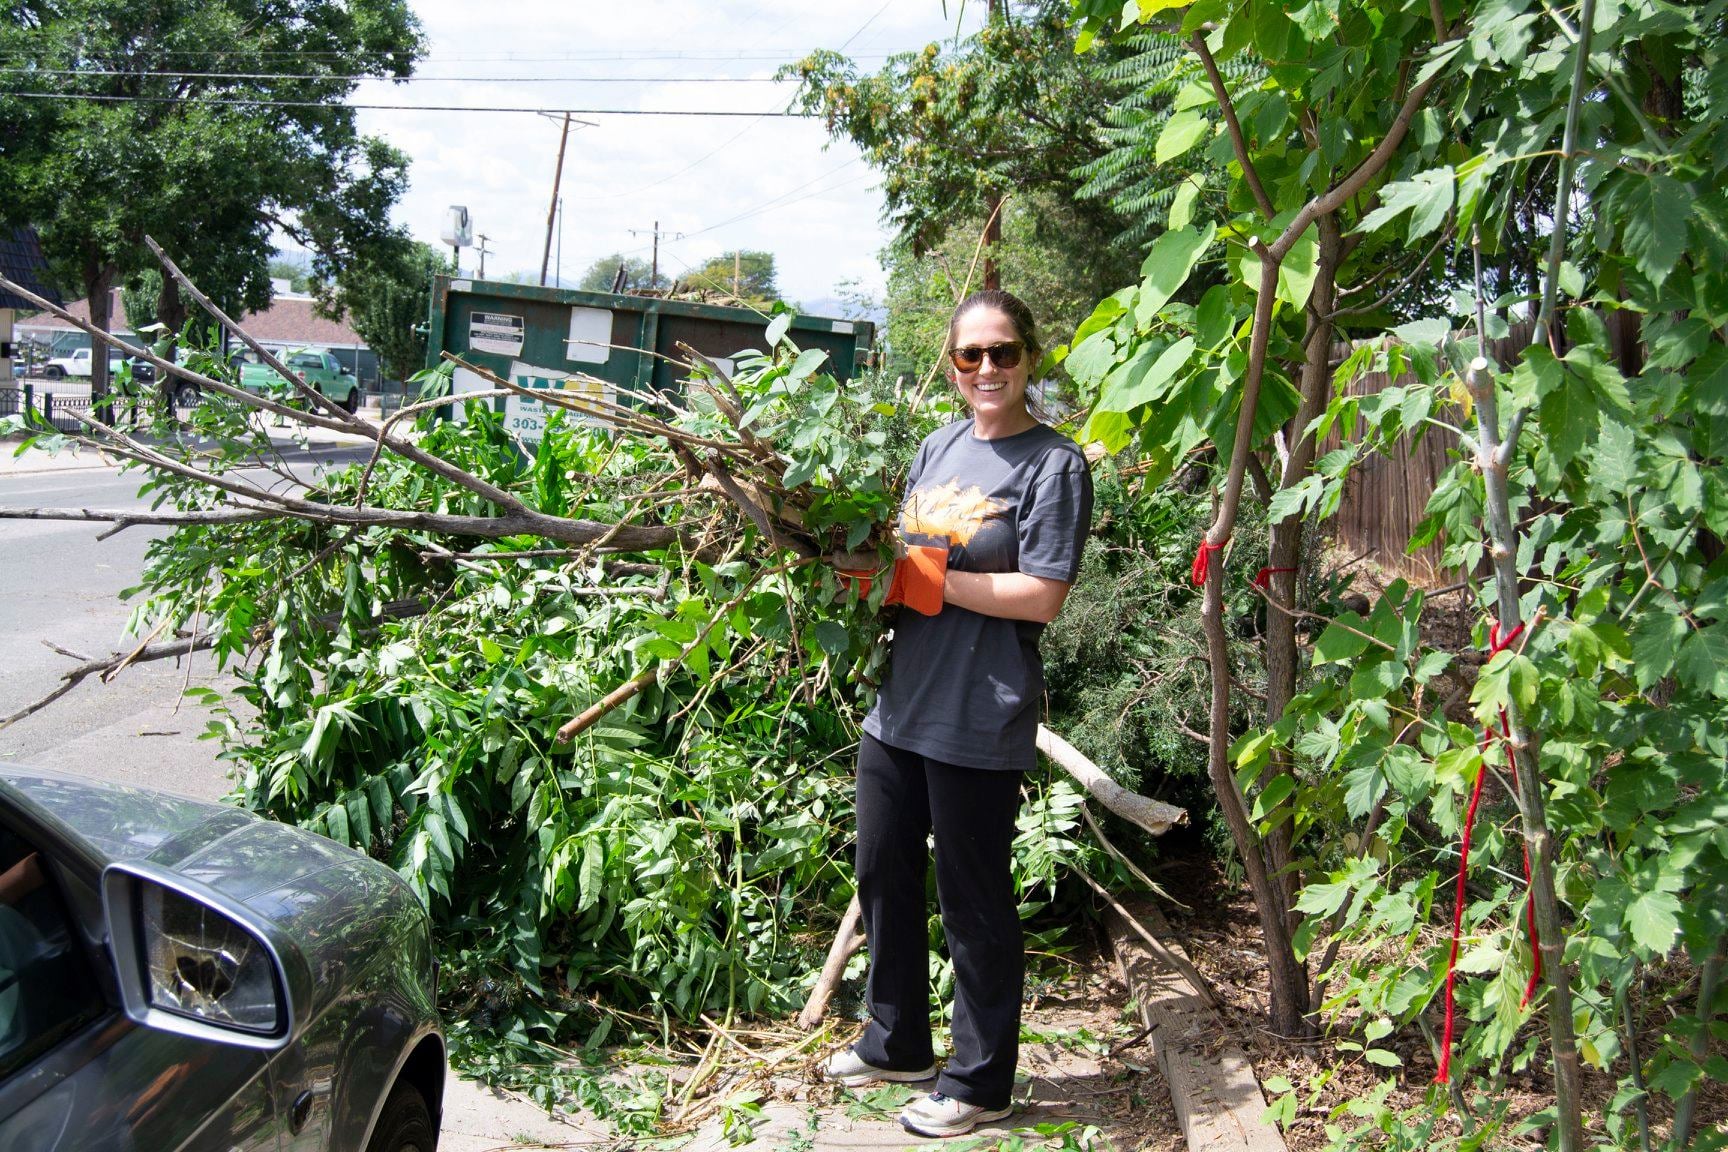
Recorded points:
(1496,645)
(1203,562)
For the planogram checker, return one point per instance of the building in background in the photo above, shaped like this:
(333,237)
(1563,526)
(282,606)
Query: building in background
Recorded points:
(20,262)
(291,322)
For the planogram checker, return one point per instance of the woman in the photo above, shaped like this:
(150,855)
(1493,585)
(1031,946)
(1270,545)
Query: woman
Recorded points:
(996,513)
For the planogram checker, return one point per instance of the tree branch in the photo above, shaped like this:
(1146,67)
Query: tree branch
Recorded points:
(1238,139)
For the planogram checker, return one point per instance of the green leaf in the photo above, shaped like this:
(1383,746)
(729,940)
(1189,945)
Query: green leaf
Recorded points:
(833,638)
(1363,788)
(1277,790)
(1382,1058)
(1428,197)
(1703,661)
(1324,899)
(808,361)
(1344,639)
(1091,359)
(1655,208)
(1377,680)
(777,329)
(1569,417)
(1653,919)
(1181,212)
(1181,132)
(1135,383)
(1167,267)
(1656,642)
(1318,20)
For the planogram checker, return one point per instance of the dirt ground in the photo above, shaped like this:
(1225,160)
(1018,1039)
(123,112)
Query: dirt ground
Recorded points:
(1087,1080)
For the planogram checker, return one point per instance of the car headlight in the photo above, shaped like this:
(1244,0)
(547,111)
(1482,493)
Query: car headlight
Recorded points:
(202,965)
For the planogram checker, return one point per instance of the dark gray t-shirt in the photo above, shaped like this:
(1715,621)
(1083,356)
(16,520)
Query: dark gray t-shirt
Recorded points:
(965,688)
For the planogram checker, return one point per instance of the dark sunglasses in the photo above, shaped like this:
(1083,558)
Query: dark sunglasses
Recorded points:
(971,358)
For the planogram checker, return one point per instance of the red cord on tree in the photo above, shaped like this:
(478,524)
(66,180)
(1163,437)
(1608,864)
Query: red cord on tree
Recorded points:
(1263,577)
(1496,645)
(1445,1074)
(1203,562)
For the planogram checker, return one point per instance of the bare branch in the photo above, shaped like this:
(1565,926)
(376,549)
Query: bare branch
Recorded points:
(1238,139)
(109,664)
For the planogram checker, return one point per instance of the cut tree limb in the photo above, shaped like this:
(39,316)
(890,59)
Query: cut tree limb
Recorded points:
(847,941)
(71,678)
(1154,816)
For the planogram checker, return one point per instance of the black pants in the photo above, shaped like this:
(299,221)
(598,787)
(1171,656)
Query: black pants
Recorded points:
(902,796)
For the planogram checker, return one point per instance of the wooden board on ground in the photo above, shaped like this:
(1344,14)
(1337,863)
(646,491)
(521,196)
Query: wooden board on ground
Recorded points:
(1212,1085)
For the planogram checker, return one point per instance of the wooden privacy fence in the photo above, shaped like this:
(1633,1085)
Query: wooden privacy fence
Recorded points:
(1386,496)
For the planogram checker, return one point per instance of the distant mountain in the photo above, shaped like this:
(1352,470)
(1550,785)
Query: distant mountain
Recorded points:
(840,309)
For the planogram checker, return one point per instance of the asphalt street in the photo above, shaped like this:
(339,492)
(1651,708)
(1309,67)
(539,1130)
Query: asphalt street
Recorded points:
(60,584)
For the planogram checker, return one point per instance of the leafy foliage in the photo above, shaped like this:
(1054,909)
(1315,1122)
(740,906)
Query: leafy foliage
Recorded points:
(683,855)
(1611,535)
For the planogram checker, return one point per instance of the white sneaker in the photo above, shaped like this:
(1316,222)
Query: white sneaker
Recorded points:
(937,1115)
(850,1070)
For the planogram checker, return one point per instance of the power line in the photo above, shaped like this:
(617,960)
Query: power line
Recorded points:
(390,79)
(251,103)
(777,201)
(483,58)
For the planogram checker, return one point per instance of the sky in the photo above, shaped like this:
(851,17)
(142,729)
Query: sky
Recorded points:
(712,184)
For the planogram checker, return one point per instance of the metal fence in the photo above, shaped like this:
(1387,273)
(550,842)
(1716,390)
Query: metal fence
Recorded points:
(42,410)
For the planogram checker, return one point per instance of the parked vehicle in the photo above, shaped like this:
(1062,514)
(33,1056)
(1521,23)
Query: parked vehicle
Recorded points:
(177,975)
(78,363)
(319,369)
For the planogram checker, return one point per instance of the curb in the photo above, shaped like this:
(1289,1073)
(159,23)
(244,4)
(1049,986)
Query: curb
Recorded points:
(1212,1085)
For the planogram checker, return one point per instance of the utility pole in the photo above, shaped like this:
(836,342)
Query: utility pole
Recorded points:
(654,265)
(483,250)
(553,209)
(558,275)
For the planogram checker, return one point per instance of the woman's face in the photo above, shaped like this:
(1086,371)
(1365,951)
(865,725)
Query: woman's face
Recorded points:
(992,391)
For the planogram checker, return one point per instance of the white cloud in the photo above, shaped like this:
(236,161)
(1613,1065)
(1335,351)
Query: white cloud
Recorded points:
(724,182)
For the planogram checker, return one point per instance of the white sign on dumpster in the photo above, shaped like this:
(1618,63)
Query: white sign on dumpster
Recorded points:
(527,418)
(496,332)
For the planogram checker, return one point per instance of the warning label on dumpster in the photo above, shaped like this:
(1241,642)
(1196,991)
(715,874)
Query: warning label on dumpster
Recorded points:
(497,332)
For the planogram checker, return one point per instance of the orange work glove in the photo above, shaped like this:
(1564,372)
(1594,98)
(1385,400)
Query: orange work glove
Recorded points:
(919,577)
(854,570)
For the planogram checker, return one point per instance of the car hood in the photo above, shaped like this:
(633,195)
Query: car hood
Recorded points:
(319,892)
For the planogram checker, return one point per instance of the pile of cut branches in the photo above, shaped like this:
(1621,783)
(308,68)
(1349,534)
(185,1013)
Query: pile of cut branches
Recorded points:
(414,632)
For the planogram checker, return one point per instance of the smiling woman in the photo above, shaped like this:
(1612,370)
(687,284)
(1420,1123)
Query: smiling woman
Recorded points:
(995,518)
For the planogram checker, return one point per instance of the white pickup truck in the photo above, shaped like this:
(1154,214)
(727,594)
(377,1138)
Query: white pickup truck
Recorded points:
(78,364)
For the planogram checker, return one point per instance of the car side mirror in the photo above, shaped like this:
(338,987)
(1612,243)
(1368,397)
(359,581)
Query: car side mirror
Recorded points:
(193,961)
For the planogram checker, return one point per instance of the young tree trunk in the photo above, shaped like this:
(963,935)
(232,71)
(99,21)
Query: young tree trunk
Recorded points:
(1286,537)
(1524,748)
(98,291)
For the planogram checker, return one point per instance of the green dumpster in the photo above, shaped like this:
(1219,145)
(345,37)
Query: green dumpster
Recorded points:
(600,345)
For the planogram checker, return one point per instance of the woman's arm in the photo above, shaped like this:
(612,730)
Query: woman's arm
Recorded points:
(1009,595)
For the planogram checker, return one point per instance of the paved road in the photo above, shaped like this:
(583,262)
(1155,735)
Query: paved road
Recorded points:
(59,583)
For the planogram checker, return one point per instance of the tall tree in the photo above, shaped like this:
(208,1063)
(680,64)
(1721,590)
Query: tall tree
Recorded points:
(387,296)
(954,131)
(746,274)
(603,273)
(208,124)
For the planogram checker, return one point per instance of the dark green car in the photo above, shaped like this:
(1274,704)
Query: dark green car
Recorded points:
(180,976)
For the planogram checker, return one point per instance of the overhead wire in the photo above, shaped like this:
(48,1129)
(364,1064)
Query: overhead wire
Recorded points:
(414,79)
(244,102)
